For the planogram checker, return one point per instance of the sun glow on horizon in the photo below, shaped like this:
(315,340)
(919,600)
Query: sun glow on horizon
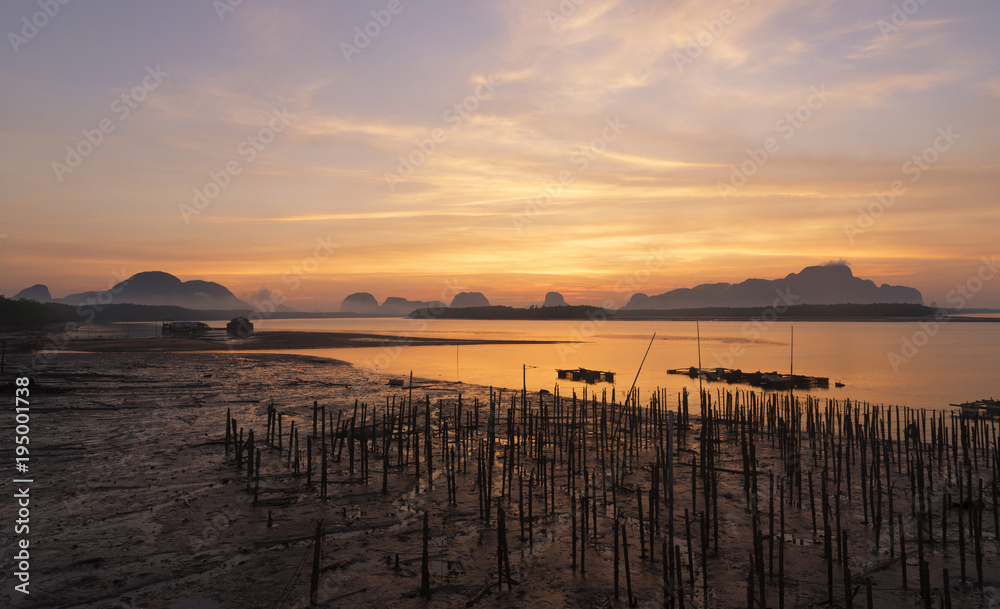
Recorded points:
(491,143)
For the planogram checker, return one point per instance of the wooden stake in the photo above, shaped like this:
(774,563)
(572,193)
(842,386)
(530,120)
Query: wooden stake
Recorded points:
(781,552)
(946,584)
(902,549)
(616,560)
(317,553)
(425,568)
(848,597)
(961,543)
(632,602)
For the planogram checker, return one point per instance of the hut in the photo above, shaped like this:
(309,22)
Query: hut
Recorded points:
(240,327)
(587,376)
(184,329)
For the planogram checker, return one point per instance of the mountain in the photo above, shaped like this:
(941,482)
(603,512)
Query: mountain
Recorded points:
(554,299)
(158,288)
(820,285)
(469,299)
(394,305)
(39,292)
(362,303)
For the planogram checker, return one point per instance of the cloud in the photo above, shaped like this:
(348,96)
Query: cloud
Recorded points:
(559,81)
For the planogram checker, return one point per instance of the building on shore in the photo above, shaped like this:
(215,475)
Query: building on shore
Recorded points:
(183,329)
(240,327)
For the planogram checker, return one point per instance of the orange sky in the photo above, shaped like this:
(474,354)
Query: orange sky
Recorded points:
(679,143)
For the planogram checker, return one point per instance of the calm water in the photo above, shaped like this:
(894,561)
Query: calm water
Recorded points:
(958,363)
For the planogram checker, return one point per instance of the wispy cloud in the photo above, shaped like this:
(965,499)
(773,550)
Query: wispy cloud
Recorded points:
(751,63)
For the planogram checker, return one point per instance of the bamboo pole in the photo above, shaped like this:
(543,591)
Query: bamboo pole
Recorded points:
(425,570)
(314,580)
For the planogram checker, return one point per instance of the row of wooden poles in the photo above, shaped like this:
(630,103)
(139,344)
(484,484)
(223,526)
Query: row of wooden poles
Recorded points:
(603,461)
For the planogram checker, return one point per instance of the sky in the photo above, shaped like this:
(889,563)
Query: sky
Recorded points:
(419,148)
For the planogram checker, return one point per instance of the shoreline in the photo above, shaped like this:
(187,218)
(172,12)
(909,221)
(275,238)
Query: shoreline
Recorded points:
(800,319)
(277,340)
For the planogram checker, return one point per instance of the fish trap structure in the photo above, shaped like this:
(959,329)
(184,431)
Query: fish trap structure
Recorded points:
(586,376)
(765,380)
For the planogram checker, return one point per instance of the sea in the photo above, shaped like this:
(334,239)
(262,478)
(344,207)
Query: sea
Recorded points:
(920,364)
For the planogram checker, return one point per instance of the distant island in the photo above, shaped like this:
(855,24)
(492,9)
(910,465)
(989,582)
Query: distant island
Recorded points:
(829,291)
(31,314)
(831,283)
(148,288)
(794,312)
(504,312)
(364,303)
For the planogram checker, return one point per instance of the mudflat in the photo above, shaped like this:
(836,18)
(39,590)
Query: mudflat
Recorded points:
(140,497)
(270,341)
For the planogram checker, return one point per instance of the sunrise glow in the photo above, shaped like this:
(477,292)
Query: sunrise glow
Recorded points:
(510,147)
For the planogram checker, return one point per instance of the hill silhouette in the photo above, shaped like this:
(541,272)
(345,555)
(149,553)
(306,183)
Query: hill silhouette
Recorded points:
(554,299)
(464,300)
(162,289)
(39,292)
(361,303)
(818,285)
(394,305)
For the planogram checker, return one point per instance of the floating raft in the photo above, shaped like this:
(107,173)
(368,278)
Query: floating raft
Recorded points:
(587,376)
(767,380)
(980,408)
